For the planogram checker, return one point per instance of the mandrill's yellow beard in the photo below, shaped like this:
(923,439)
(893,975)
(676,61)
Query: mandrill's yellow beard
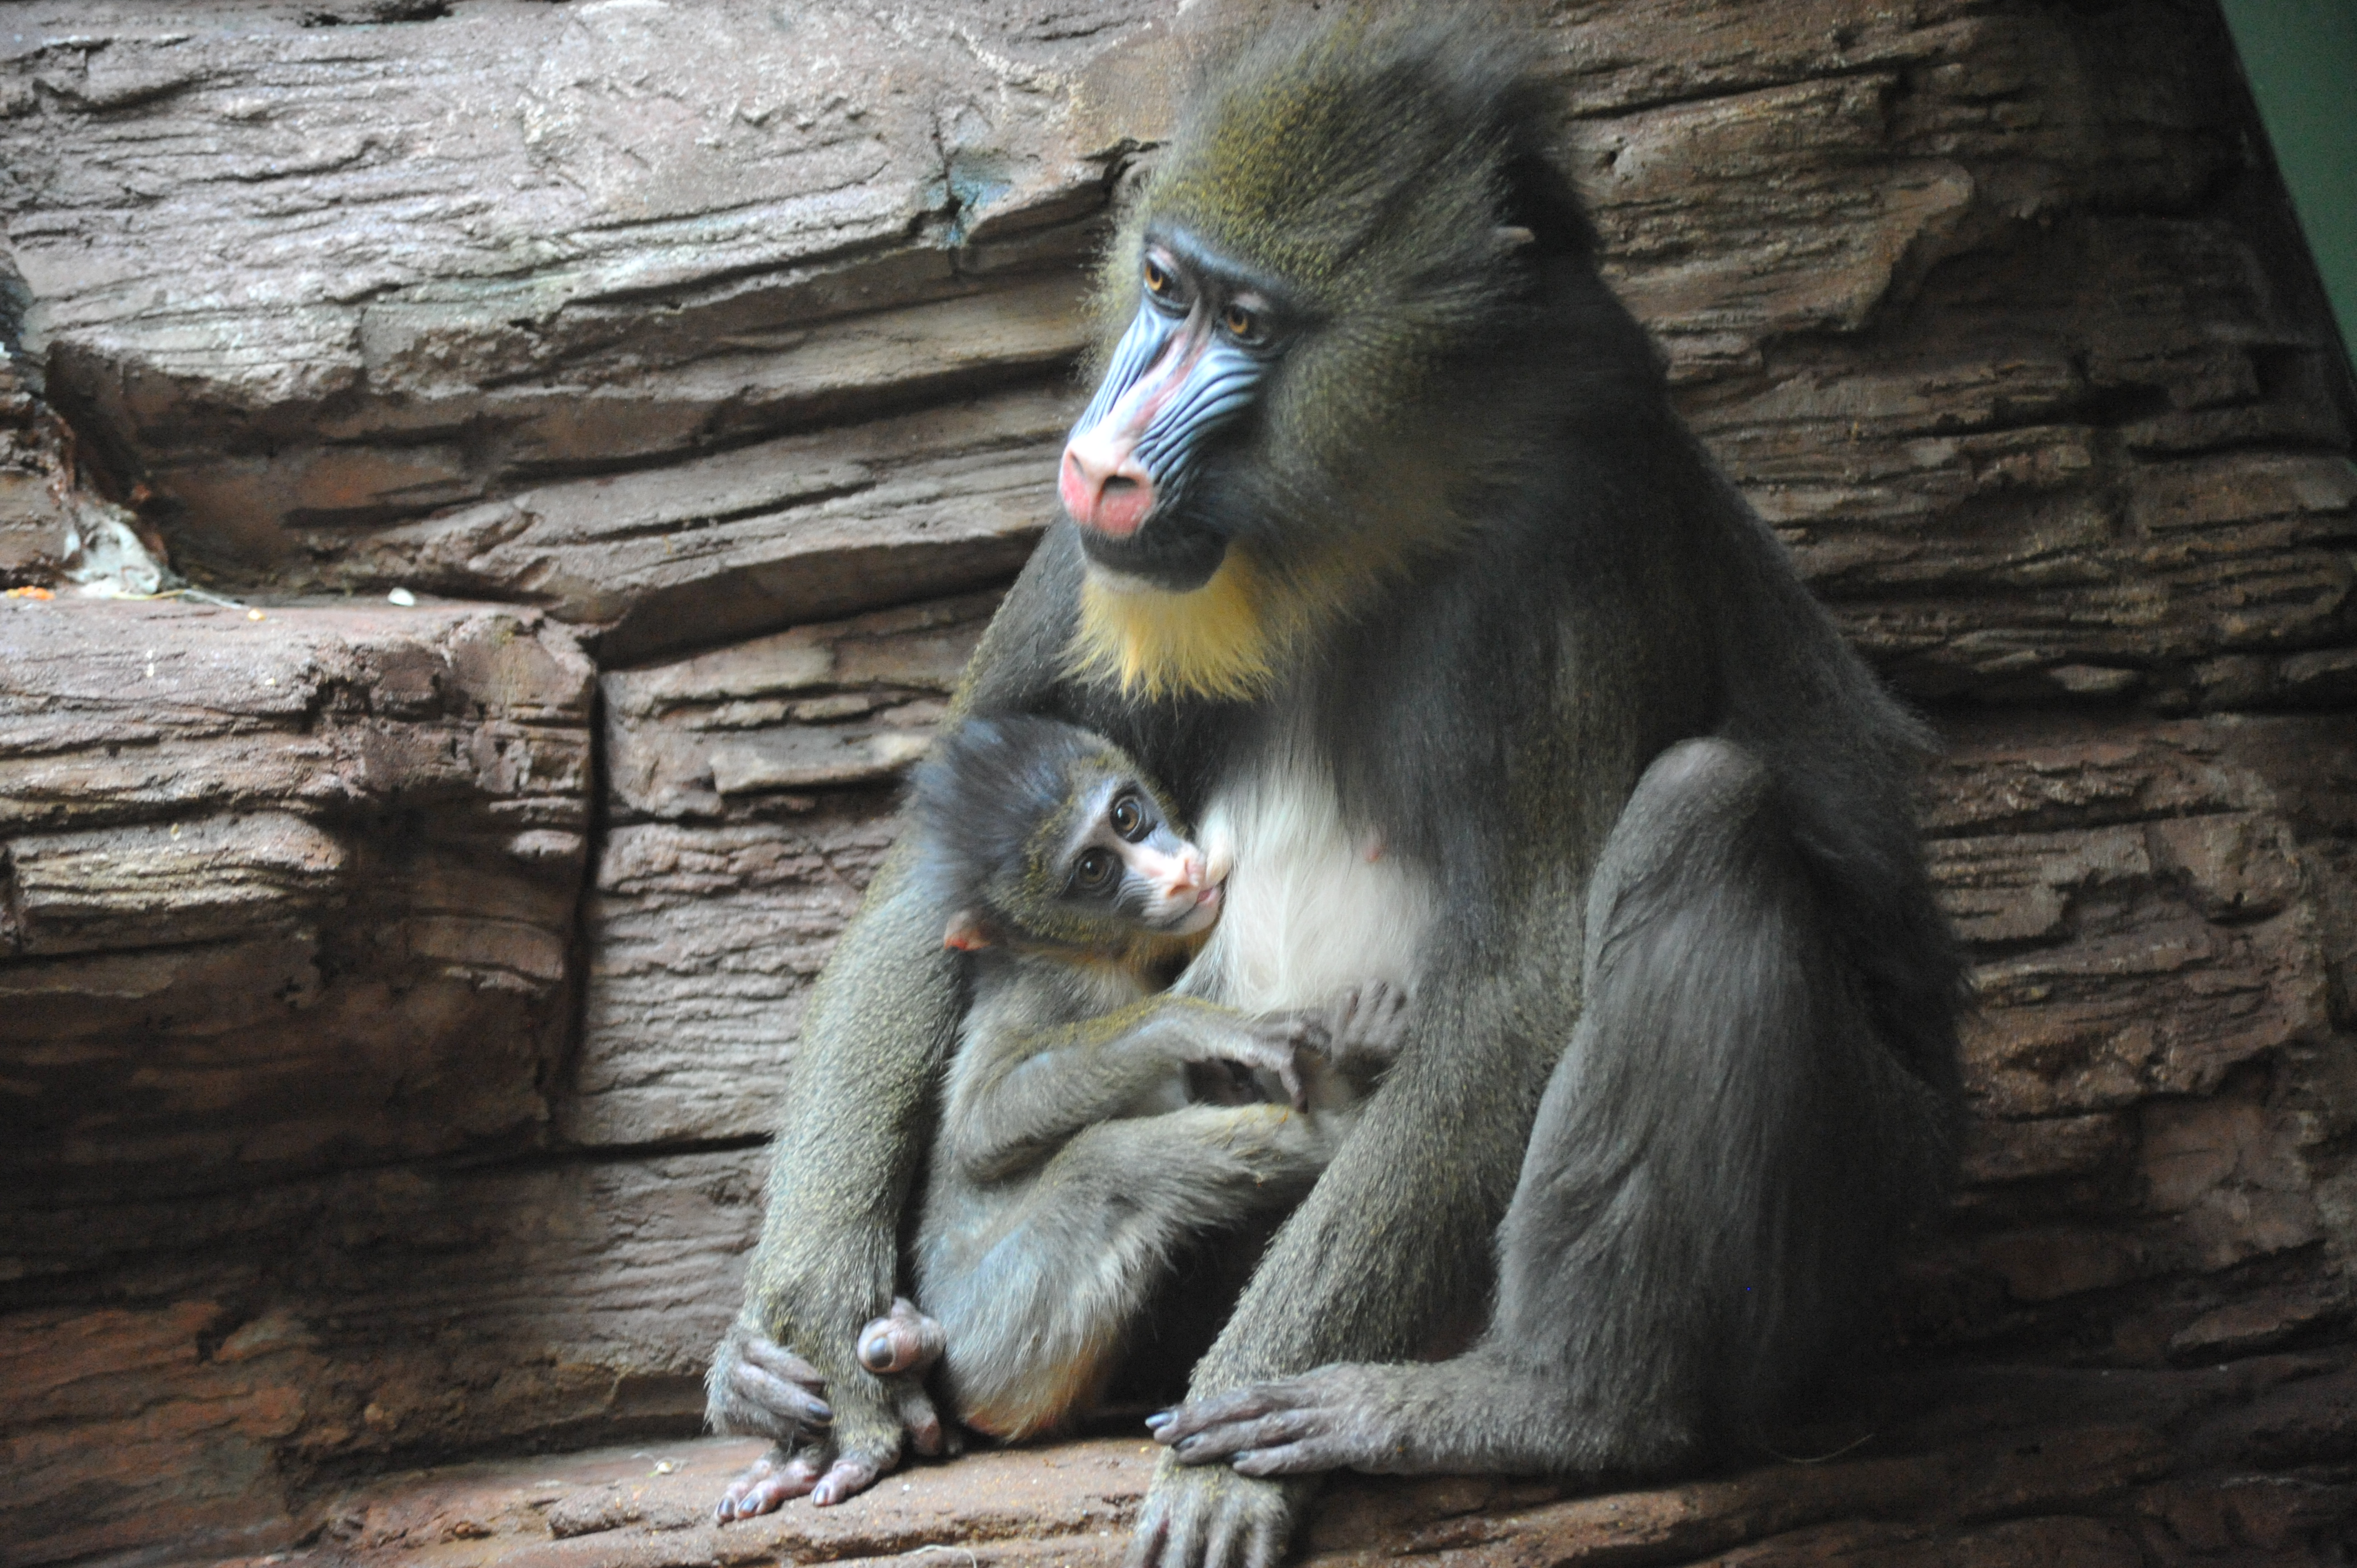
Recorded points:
(1227,639)
(1223,641)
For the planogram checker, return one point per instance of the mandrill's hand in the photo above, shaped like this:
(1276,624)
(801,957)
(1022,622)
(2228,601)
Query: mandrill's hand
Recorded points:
(1338,1417)
(830,1449)
(758,1387)
(1195,1518)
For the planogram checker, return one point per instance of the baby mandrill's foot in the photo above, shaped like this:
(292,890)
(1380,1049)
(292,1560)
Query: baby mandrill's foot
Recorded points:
(902,1340)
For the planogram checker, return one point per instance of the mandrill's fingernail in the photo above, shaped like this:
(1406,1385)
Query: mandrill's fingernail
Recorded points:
(1161,1418)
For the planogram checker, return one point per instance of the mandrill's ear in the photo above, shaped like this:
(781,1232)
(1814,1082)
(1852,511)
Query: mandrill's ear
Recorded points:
(966,932)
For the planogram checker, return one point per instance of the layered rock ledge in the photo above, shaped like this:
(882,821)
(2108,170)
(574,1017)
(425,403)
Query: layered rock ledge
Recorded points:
(393,995)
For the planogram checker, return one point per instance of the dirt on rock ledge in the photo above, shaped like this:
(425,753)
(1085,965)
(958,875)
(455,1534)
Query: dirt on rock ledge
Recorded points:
(1985,1469)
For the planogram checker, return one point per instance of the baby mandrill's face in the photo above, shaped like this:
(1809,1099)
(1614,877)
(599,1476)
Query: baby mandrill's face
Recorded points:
(1133,862)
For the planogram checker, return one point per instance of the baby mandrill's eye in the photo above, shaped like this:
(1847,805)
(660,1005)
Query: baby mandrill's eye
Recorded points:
(1094,871)
(1128,818)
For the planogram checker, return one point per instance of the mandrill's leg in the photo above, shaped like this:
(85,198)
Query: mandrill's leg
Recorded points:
(1721,1161)
(1033,1326)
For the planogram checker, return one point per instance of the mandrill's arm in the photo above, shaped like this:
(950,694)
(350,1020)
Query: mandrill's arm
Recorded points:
(882,1018)
(1398,1230)
(1391,1244)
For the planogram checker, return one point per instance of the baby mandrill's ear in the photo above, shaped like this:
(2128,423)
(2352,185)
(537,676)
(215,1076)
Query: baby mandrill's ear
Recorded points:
(966,932)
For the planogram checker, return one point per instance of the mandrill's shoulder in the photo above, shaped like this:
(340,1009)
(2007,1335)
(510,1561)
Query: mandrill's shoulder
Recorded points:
(1021,665)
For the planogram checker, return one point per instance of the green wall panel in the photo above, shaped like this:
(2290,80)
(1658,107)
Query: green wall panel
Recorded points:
(2301,58)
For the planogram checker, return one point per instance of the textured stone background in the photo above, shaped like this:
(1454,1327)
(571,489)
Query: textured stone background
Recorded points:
(392,998)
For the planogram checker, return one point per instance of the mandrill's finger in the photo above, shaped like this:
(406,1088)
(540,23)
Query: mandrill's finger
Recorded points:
(1289,1075)
(1170,1532)
(1230,1541)
(767,1484)
(1147,1539)
(1183,1538)
(1229,1438)
(1267,1547)
(1218,1410)
(881,1351)
(779,1361)
(788,1402)
(850,1475)
(1220,1546)
(1308,1457)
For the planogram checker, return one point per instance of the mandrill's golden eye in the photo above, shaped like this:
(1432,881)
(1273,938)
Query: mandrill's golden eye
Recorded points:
(1158,280)
(1242,325)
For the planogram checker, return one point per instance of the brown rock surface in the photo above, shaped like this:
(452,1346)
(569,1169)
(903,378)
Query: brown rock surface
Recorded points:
(750,799)
(2160,1062)
(2016,1466)
(33,525)
(280,891)
(797,529)
(378,272)
(394,998)
(282,888)
(342,1322)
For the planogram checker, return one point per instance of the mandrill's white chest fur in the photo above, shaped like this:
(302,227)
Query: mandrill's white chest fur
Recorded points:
(1313,907)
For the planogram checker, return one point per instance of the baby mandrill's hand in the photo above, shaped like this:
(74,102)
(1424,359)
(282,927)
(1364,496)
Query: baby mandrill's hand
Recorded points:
(1367,1025)
(1272,1043)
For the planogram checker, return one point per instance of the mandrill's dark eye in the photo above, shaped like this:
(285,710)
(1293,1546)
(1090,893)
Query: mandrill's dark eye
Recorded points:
(1094,873)
(1128,818)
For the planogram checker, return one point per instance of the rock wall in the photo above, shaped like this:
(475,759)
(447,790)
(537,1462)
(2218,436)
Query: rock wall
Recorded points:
(395,992)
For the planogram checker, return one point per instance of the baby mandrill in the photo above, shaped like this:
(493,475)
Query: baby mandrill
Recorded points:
(1094,1125)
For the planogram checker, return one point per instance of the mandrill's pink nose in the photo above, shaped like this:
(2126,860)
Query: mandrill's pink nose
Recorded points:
(1183,877)
(1103,485)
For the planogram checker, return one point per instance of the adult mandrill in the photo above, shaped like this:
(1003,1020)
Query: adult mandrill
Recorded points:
(1387,554)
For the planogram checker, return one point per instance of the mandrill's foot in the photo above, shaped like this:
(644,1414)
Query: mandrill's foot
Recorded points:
(902,1340)
(848,1477)
(833,1441)
(768,1483)
(1336,1418)
(778,1477)
(1215,1517)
